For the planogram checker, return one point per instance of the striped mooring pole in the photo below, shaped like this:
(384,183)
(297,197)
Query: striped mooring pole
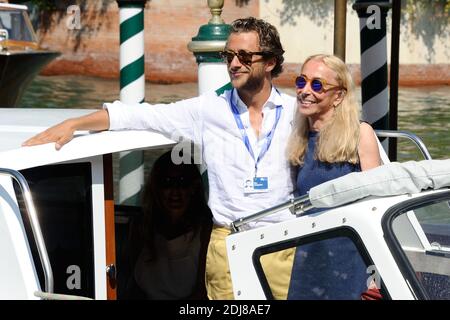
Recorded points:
(206,46)
(374,69)
(132,90)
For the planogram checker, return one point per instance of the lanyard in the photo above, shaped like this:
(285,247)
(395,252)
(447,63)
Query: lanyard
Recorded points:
(268,138)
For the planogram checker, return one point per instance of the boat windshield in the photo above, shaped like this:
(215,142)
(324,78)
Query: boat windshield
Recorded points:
(428,248)
(16,25)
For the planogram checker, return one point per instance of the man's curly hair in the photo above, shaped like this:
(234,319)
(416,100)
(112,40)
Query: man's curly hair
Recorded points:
(269,38)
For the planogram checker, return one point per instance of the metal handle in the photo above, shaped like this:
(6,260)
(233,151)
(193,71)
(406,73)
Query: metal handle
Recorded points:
(35,227)
(56,296)
(403,134)
(297,206)
(111,272)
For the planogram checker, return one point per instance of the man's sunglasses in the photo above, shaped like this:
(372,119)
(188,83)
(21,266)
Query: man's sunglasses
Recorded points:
(245,57)
(317,85)
(175,182)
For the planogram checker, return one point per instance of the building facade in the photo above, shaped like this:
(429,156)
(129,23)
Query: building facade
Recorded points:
(91,47)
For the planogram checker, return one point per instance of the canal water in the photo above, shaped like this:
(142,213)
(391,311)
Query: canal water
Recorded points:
(424,111)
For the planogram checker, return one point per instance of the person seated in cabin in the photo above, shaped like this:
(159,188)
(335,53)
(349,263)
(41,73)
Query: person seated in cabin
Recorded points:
(328,141)
(169,243)
(2,27)
(5,22)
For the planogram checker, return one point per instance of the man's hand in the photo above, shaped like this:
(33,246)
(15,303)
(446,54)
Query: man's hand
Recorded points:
(63,132)
(60,134)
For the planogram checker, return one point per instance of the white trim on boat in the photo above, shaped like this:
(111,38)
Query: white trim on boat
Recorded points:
(13,6)
(29,122)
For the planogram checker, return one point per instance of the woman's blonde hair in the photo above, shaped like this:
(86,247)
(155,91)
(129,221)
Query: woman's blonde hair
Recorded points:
(339,138)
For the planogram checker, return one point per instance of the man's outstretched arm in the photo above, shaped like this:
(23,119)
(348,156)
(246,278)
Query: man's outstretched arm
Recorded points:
(63,132)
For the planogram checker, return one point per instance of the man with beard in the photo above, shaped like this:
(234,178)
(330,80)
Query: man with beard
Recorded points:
(242,133)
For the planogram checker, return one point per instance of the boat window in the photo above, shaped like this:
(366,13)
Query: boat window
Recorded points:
(435,221)
(430,260)
(62,196)
(333,265)
(17,25)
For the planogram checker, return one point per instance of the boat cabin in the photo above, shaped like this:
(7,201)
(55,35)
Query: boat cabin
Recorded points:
(379,234)
(63,239)
(21,57)
(15,26)
(61,230)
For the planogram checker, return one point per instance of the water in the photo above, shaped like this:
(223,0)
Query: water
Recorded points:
(424,111)
(89,93)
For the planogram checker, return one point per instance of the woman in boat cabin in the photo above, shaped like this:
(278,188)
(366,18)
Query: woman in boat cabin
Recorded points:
(328,141)
(169,243)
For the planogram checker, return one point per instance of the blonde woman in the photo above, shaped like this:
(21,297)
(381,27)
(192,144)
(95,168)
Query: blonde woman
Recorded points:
(328,141)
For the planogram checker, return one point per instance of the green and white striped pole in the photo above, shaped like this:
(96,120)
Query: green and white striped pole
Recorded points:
(132,90)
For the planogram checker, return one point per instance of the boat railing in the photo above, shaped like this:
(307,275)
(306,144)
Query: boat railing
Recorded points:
(391,179)
(57,296)
(35,227)
(408,135)
(297,206)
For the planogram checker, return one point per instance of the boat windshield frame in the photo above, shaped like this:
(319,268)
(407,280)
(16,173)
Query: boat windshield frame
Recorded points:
(25,23)
(394,245)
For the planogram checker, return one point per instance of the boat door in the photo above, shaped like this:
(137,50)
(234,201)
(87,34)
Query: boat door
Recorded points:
(70,203)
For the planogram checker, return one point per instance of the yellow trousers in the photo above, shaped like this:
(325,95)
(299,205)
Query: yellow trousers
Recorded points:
(277,267)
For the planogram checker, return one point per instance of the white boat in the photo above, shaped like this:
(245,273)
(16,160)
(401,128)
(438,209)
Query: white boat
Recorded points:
(67,244)
(390,227)
(57,219)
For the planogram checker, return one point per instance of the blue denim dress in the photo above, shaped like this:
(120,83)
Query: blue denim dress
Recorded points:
(329,268)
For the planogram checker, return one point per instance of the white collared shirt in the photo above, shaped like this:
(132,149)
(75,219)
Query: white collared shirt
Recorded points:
(208,121)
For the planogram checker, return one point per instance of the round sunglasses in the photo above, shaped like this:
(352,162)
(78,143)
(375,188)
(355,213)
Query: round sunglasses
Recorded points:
(317,84)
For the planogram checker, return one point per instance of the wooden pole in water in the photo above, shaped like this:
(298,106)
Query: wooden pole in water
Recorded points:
(132,90)
(393,83)
(340,20)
